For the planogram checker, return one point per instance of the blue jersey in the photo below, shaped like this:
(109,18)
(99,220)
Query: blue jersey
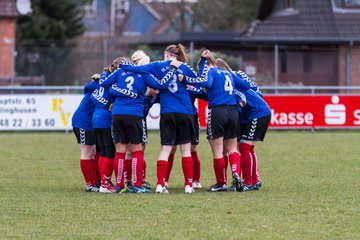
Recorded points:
(252,84)
(102,100)
(218,82)
(130,89)
(174,98)
(255,107)
(82,117)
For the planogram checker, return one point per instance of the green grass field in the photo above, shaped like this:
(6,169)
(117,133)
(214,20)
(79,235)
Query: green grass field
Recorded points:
(311,191)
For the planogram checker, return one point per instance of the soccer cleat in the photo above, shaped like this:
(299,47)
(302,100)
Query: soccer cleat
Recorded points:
(92,188)
(140,189)
(146,185)
(237,183)
(107,189)
(232,187)
(118,189)
(258,185)
(197,185)
(161,189)
(248,187)
(166,184)
(189,189)
(217,188)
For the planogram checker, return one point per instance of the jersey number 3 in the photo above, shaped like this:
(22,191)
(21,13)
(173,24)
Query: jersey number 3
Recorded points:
(130,81)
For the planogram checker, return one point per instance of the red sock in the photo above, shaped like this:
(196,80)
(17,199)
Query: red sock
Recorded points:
(188,170)
(87,169)
(246,163)
(119,168)
(219,168)
(144,172)
(197,164)
(138,167)
(226,159)
(255,166)
(161,168)
(128,170)
(96,167)
(170,164)
(107,169)
(234,159)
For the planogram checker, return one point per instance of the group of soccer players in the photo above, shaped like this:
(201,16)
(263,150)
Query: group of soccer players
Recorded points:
(113,113)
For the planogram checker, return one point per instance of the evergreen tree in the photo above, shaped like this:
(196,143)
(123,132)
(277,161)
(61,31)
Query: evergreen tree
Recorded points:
(43,38)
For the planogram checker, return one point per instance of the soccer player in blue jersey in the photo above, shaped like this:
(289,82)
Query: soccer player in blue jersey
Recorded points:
(102,128)
(255,118)
(223,119)
(84,132)
(176,123)
(194,94)
(128,118)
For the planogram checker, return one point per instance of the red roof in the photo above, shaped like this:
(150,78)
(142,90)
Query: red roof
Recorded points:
(8,8)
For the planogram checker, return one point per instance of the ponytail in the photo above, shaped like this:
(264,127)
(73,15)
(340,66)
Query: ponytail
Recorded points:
(222,64)
(212,60)
(177,51)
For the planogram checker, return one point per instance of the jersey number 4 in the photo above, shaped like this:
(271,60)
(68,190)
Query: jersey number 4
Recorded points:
(228,85)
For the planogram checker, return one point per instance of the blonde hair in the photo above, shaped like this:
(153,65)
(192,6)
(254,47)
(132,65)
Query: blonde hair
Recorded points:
(178,51)
(140,58)
(222,64)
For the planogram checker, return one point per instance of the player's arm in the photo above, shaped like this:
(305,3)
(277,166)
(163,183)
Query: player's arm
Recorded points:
(187,70)
(240,84)
(100,101)
(204,77)
(111,79)
(163,83)
(150,68)
(247,79)
(122,92)
(196,92)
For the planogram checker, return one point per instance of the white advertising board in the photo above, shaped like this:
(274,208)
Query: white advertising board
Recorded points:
(48,112)
(37,112)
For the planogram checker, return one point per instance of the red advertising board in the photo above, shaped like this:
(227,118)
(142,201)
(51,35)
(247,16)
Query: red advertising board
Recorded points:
(308,111)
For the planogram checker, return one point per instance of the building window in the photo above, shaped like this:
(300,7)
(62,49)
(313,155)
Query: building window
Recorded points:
(351,4)
(307,61)
(283,57)
(289,3)
(90,9)
(121,8)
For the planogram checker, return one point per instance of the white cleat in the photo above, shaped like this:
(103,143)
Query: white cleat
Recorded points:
(108,189)
(161,189)
(189,189)
(197,185)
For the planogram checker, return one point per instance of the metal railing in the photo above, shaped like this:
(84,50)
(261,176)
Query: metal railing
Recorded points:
(265,89)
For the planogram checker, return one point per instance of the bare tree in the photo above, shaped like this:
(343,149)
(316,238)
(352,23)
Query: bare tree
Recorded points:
(225,15)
